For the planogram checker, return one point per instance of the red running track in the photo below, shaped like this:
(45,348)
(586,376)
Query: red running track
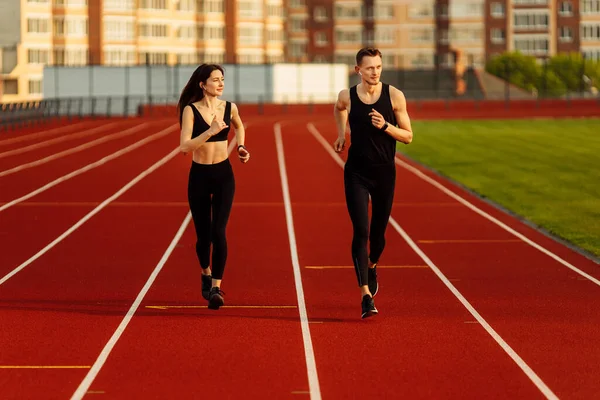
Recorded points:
(468,307)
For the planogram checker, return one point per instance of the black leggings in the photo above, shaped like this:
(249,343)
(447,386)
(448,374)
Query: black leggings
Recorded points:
(210,194)
(360,182)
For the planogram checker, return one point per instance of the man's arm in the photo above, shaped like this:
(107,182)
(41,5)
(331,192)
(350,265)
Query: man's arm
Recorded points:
(340,112)
(403,133)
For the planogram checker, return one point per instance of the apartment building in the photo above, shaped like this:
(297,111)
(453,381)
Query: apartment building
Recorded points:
(589,39)
(543,28)
(410,33)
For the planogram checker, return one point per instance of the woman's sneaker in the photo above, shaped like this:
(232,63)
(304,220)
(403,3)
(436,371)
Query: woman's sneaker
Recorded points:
(373,285)
(368,307)
(206,285)
(215,298)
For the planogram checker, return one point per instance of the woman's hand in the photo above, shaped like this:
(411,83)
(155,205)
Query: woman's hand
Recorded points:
(243,154)
(217,126)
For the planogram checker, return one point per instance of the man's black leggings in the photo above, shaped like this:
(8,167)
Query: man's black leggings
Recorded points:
(210,194)
(360,182)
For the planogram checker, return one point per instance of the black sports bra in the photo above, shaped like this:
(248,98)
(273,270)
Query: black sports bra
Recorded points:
(200,125)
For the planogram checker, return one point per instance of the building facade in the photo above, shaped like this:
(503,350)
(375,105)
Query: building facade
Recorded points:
(410,33)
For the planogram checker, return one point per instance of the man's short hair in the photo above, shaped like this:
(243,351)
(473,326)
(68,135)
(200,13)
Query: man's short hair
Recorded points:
(367,52)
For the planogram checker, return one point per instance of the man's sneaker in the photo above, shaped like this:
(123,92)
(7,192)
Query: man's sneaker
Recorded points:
(206,285)
(368,306)
(373,285)
(215,298)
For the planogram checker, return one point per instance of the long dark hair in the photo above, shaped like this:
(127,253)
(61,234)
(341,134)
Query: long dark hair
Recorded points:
(192,91)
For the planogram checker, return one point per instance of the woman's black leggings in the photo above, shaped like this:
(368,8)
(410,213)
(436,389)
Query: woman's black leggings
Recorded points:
(360,182)
(210,194)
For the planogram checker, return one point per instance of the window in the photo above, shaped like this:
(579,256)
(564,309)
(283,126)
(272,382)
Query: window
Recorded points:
(297,24)
(497,36)
(320,14)
(384,11)
(252,35)
(297,49)
(59,26)
(532,45)
(186,5)
(38,25)
(531,21)
(119,57)
(35,86)
(348,11)
(385,35)
(186,32)
(154,4)
(566,9)
(187,58)
(37,56)
(420,10)
(530,2)
(591,54)
(424,35)
(119,5)
(118,29)
(153,30)
(297,3)
(11,86)
(591,7)
(348,59)
(321,39)
(443,36)
(590,31)
(566,34)
(153,58)
(250,8)
(497,10)
(275,58)
(466,10)
(213,6)
(465,34)
(210,32)
(442,10)
(274,10)
(348,35)
(274,34)
(216,58)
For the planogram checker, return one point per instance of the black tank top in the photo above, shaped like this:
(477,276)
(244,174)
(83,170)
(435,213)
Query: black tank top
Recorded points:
(201,126)
(370,145)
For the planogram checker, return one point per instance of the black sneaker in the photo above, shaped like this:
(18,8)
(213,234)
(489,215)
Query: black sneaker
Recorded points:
(215,298)
(373,285)
(206,285)
(368,307)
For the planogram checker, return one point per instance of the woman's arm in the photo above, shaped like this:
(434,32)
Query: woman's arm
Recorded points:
(240,133)
(186,143)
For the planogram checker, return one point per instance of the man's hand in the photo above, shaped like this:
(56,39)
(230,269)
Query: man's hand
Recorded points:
(243,154)
(376,119)
(339,144)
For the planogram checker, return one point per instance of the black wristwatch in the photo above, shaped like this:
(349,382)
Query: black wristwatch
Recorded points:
(384,127)
(241,146)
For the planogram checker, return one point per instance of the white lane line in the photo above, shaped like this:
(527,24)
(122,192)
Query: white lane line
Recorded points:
(35,135)
(89,215)
(537,381)
(88,167)
(487,216)
(59,139)
(73,150)
(101,360)
(311,366)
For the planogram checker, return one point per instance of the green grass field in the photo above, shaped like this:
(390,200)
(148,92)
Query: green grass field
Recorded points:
(547,171)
